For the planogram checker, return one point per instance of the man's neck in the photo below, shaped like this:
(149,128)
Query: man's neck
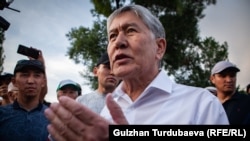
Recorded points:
(224,96)
(28,103)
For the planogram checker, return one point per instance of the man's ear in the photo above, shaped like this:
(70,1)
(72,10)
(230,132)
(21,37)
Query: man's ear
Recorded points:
(162,45)
(13,80)
(212,79)
(95,70)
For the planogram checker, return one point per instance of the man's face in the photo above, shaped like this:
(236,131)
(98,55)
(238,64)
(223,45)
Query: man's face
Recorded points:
(225,81)
(105,78)
(29,82)
(4,82)
(133,49)
(69,91)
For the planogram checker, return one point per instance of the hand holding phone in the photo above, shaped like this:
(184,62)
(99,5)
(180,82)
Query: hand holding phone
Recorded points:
(27,51)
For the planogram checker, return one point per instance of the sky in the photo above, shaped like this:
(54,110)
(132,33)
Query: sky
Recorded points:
(43,24)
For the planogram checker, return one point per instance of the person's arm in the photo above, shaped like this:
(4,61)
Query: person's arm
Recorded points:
(45,88)
(70,120)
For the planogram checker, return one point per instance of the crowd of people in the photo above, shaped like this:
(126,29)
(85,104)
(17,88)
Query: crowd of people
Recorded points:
(130,90)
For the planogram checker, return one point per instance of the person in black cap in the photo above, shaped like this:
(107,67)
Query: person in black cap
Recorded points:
(107,82)
(24,119)
(236,105)
(5,79)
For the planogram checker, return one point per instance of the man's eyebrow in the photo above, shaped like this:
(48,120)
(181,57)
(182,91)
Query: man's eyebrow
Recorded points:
(124,26)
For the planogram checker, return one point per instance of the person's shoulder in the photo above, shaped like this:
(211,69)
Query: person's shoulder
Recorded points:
(193,91)
(191,88)
(6,108)
(46,103)
(242,95)
(85,96)
(81,97)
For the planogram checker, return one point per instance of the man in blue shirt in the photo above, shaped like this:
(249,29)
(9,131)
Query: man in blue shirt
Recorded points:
(24,120)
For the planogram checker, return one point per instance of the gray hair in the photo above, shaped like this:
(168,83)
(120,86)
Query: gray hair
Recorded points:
(151,21)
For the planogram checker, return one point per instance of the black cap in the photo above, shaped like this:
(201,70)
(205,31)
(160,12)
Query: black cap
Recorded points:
(104,59)
(22,64)
(5,74)
(5,77)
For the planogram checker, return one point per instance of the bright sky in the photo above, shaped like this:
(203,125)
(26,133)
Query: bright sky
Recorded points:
(43,24)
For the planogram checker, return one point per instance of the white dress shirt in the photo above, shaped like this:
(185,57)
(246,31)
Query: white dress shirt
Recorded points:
(166,102)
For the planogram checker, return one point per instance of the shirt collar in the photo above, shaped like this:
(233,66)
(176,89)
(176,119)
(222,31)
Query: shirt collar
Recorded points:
(17,106)
(161,81)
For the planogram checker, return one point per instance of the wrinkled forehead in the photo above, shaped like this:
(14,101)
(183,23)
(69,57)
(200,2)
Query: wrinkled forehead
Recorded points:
(120,15)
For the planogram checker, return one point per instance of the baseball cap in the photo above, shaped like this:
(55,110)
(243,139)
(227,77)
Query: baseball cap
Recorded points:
(68,82)
(35,64)
(5,78)
(6,75)
(104,59)
(222,65)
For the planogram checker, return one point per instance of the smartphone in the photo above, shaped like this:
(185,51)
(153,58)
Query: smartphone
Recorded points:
(27,51)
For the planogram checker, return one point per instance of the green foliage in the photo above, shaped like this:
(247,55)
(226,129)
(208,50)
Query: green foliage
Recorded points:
(106,7)
(201,59)
(188,57)
(87,45)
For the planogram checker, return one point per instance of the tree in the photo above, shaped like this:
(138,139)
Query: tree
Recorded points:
(87,46)
(200,62)
(188,57)
(2,56)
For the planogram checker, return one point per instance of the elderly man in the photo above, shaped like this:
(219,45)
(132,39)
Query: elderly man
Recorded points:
(146,94)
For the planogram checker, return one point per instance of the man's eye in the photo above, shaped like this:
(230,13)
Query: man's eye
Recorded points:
(130,30)
(111,36)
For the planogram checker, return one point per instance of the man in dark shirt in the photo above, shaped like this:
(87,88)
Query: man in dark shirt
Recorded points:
(236,105)
(24,120)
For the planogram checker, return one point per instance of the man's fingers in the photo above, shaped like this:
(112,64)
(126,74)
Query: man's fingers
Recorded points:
(62,123)
(82,112)
(115,111)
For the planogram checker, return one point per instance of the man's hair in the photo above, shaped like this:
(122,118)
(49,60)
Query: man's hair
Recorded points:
(151,21)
